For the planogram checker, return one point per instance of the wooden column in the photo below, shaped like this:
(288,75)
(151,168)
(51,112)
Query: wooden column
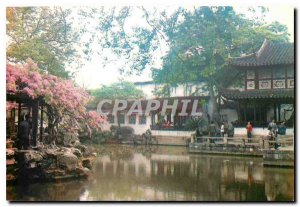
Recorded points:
(254,110)
(19,117)
(42,121)
(275,114)
(245,110)
(279,108)
(19,114)
(35,113)
(239,111)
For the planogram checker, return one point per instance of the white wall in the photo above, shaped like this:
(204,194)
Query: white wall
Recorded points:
(138,128)
(258,131)
(180,90)
(168,133)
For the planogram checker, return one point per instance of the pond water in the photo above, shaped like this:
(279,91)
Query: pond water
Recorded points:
(164,173)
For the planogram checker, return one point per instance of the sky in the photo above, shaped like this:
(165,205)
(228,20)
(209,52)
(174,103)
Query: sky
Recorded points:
(93,75)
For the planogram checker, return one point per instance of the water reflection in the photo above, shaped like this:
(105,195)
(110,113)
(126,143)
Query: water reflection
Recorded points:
(170,173)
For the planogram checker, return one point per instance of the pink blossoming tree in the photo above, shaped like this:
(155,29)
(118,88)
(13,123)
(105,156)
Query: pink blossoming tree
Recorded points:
(65,103)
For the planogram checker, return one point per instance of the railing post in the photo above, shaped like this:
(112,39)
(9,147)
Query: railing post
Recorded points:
(266,143)
(208,140)
(261,143)
(225,140)
(193,138)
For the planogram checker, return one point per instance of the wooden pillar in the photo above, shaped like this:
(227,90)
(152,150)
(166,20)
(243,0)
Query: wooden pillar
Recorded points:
(19,114)
(239,111)
(42,121)
(279,108)
(254,106)
(275,114)
(35,112)
(245,110)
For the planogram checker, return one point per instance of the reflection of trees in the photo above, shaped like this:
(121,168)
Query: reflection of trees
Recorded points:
(175,176)
(279,184)
(64,191)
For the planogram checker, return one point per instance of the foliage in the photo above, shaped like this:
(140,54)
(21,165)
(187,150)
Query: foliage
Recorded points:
(65,102)
(202,43)
(99,137)
(194,122)
(120,90)
(199,42)
(46,35)
(122,132)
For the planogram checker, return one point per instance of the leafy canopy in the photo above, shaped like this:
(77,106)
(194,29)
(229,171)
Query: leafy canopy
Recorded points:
(198,41)
(47,35)
(121,90)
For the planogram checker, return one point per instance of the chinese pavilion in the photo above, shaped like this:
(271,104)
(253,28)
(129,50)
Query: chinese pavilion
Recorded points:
(267,88)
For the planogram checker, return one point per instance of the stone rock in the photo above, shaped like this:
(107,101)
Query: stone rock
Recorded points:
(87,163)
(48,162)
(82,171)
(88,151)
(9,143)
(70,139)
(65,149)
(50,152)
(79,146)
(55,172)
(86,170)
(67,160)
(76,152)
(11,162)
(10,152)
(10,177)
(32,156)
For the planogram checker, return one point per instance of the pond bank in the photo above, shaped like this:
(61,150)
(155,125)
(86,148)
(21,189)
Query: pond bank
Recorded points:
(281,157)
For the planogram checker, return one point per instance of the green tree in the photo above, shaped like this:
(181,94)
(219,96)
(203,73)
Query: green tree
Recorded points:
(46,35)
(200,41)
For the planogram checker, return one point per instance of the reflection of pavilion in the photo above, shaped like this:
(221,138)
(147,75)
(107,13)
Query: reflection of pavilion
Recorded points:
(168,165)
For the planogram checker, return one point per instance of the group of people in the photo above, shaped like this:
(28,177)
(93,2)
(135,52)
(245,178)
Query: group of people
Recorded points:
(224,128)
(274,131)
(215,130)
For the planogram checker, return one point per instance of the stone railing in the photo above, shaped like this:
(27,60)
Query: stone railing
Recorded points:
(260,143)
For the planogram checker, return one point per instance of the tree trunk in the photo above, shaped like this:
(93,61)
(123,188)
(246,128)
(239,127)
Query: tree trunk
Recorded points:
(213,107)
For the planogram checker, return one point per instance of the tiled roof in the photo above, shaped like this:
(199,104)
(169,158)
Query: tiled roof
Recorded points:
(252,94)
(269,54)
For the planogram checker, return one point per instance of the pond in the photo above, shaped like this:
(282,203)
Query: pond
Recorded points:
(166,173)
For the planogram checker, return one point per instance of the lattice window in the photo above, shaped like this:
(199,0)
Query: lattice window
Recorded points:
(142,120)
(132,119)
(111,119)
(265,84)
(121,118)
(279,83)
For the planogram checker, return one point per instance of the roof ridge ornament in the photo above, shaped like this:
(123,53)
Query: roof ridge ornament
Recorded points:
(262,48)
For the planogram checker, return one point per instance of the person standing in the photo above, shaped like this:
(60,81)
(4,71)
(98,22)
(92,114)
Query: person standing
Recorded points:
(249,130)
(222,129)
(212,130)
(273,131)
(24,131)
(226,127)
(282,129)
